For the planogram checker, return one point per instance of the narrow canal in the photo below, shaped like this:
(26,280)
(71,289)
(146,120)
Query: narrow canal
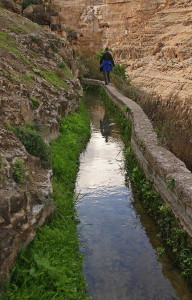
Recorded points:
(117,237)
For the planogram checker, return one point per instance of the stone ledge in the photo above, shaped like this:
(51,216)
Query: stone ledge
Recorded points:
(158,163)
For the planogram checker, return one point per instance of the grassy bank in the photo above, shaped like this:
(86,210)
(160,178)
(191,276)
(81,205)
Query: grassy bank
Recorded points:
(51,266)
(174,238)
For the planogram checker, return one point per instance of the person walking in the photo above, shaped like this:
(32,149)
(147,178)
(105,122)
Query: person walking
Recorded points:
(106,65)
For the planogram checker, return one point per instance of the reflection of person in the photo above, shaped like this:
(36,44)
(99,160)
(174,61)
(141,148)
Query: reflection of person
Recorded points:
(106,64)
(105,127)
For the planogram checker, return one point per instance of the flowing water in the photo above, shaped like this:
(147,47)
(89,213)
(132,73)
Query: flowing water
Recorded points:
(117,237)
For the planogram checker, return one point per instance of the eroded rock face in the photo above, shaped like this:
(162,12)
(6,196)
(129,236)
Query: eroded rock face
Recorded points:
(150,37)
(33,87)
(38,86)
(25,201)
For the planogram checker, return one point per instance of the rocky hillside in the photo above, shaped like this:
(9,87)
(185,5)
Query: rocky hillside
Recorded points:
(152,39)
(38,86)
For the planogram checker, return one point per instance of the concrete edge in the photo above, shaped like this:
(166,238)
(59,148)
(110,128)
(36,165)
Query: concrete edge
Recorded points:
(158,163)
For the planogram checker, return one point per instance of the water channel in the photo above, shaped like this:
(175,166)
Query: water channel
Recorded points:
(117,237)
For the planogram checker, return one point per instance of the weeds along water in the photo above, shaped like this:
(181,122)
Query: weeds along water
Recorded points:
(51,266)
(174,238)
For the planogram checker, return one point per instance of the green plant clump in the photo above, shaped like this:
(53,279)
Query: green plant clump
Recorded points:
(170,230)
(51,266)
(18,171)
(27,77)
(54,78)
(119,70)
(35,102)
(34,144)
(61,65)
(26,3)
(171,183)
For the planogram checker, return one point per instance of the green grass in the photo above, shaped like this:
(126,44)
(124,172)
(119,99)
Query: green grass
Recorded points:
(54,78)
(3,36)
(35,101)
(18,28)
(6,42)
(51,266)
(27,77)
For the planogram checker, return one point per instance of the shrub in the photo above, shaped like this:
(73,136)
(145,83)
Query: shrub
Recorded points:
(35,102)
(89,67)
(61,65)
(18,171)
(34,144)
(171,183)
(119,70)
(26,3)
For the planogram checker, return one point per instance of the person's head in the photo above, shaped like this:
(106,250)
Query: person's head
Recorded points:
(106,49)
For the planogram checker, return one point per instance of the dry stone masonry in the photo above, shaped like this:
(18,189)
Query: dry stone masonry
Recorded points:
(160,165)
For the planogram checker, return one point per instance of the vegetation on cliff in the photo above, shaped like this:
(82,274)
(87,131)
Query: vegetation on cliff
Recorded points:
(38,87)
(36,74)
(34,144)
(51,267)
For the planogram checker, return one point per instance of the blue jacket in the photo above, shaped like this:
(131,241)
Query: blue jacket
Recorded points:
(106,65)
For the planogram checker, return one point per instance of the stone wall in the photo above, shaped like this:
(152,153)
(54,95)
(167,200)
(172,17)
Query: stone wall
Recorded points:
(159,164)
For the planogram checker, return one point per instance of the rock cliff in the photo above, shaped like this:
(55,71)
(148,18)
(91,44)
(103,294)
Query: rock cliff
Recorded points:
(38,86)
(152,39)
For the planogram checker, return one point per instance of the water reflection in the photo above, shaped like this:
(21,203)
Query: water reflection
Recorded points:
(117,236)
(106,126)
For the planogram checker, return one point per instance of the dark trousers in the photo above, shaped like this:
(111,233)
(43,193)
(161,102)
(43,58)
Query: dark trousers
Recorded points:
(106,76)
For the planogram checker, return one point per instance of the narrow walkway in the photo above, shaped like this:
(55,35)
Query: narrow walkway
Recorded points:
(158,163)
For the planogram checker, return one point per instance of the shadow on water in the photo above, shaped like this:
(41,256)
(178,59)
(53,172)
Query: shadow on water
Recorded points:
(117,236)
